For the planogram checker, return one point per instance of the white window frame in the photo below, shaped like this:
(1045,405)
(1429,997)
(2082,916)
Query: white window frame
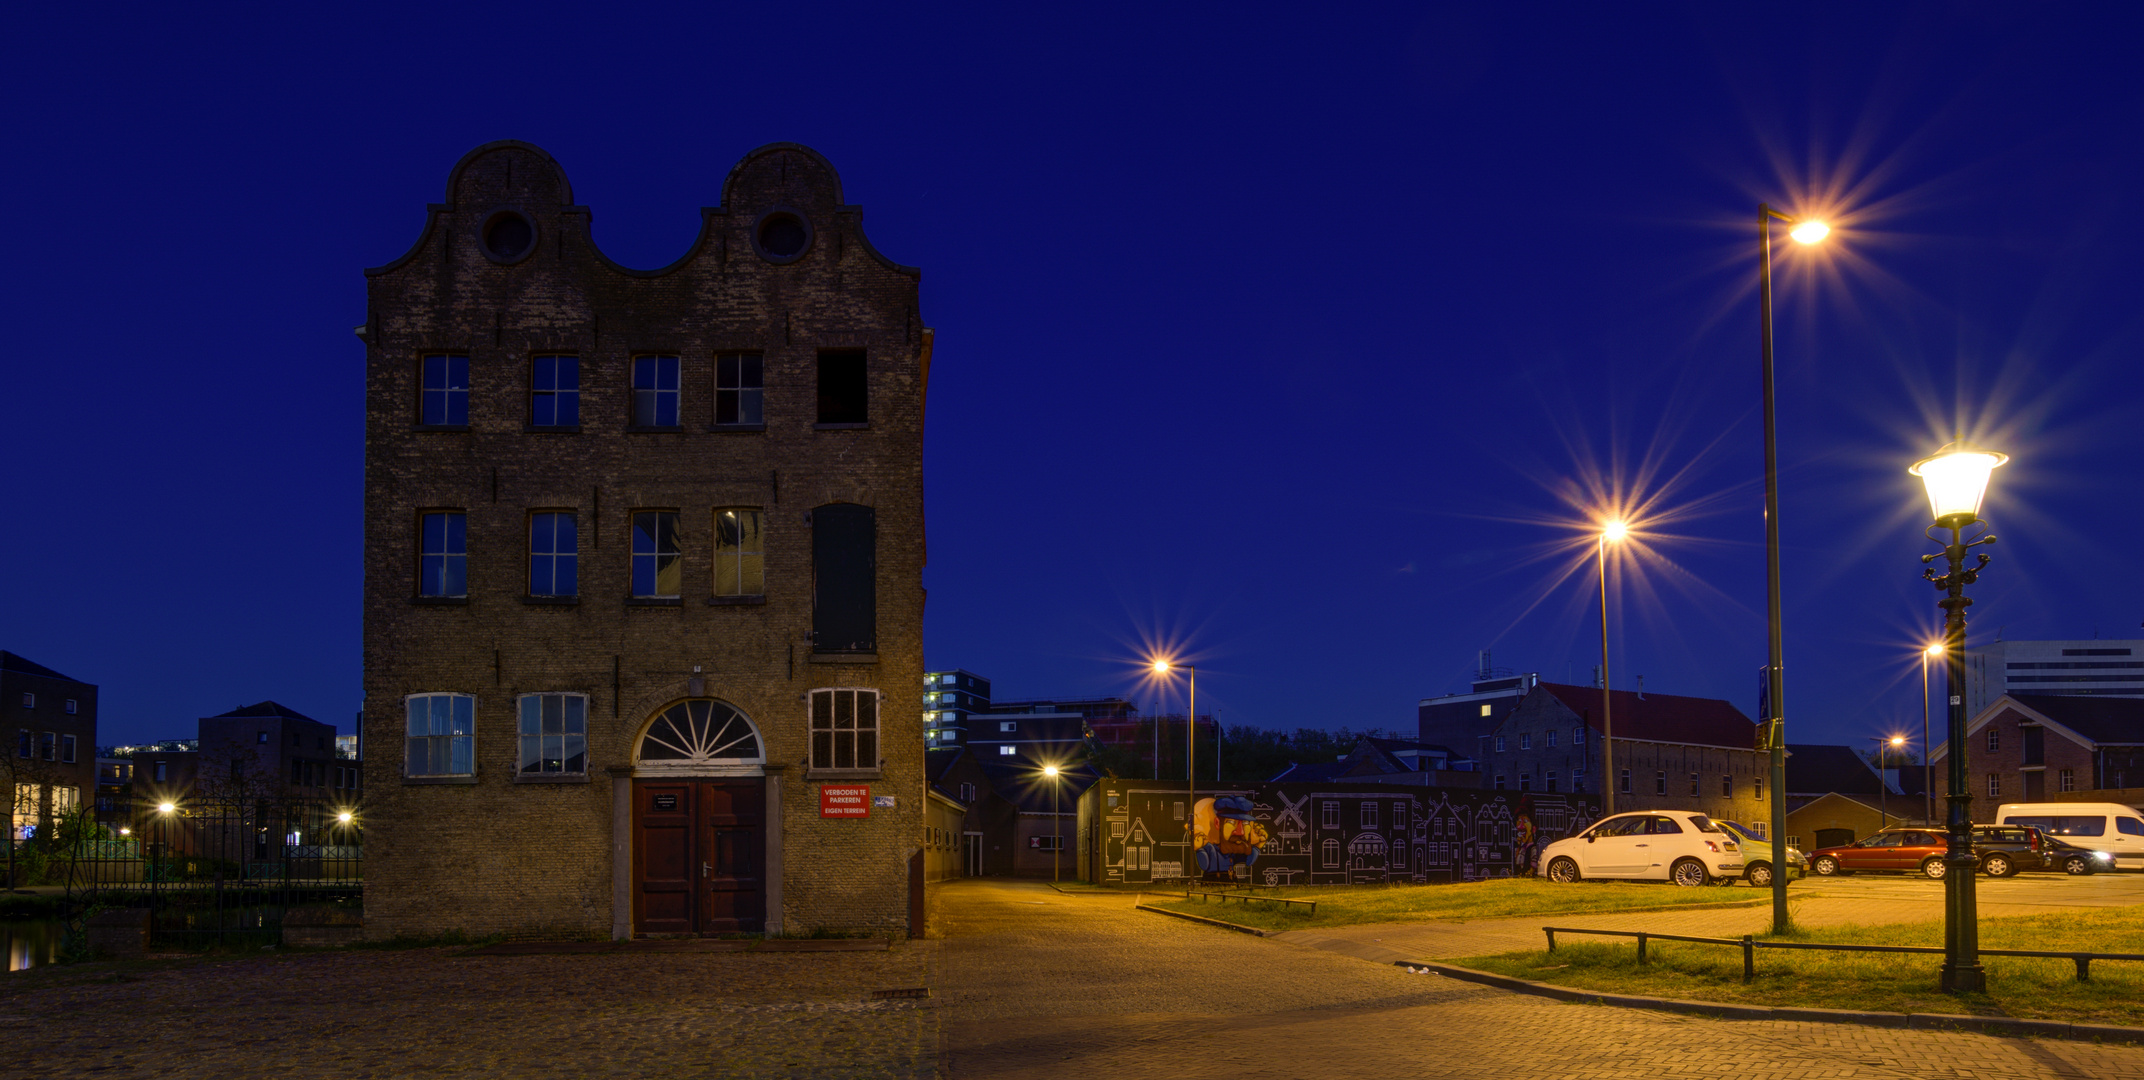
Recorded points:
(1007,750)
(1526,740)
(449,738)
(1329,814)
(71,706)
(535,746)
(829,735)
(1550,739)
(1369,813)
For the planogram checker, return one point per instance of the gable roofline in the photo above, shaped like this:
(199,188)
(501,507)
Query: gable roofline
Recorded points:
(1995,708)
(23,665)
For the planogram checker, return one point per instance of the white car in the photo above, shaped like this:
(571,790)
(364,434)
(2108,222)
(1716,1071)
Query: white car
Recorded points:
(1654,845)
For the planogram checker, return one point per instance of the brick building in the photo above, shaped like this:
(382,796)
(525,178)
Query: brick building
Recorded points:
(642,550)
(1671,752)
(51,766)
(2048,748)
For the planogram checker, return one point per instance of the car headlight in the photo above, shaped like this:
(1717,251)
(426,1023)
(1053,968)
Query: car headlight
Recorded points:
(2103,856)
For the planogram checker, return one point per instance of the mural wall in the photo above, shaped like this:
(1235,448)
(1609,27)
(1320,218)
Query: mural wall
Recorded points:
(1134,832)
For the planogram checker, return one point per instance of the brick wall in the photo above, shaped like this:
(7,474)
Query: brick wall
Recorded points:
(2007,764)
(501,855)
(1527,753)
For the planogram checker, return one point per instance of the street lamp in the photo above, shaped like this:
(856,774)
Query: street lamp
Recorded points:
(1883,783)
(1928,776)
(1191,752)
(1614,530)
(1057,838)
(1804,232)
(1956,478)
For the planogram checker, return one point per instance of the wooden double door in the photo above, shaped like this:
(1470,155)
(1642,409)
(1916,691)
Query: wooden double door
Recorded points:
(699,856)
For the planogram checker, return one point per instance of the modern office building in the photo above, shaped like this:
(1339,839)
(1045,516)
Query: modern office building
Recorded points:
(2091,668)
(643,556)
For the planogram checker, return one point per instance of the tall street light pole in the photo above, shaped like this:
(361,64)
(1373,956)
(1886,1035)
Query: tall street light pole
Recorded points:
(1928,774)
(1956,478)
(1806,232)
(1057,841)
(1892,745)
(1614,530)
(1191,753)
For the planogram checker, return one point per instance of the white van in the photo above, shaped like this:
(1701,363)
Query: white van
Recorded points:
(2109,827)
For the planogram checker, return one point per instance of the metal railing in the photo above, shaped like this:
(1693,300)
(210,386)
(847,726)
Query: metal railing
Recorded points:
(1750,945)
(1225,897)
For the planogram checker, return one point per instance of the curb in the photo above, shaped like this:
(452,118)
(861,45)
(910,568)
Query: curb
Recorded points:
(1986,1025)
(1237,927)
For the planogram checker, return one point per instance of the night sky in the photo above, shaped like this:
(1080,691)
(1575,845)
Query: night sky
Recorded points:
(1306,341)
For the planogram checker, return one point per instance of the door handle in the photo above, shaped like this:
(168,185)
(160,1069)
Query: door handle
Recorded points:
(703,869)
(1641,845)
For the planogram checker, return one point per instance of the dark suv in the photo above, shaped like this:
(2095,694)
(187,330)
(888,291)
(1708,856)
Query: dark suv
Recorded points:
(2005,850)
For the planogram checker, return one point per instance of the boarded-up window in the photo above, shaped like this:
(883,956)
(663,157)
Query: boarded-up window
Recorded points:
(843,387)
(844,539)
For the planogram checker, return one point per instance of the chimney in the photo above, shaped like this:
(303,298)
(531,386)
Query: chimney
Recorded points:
(1482,668)
(1641,688)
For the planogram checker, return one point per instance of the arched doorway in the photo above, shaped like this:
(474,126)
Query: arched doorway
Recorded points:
(699,821)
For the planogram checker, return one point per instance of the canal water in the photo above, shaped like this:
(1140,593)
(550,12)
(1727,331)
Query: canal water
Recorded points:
(30,943)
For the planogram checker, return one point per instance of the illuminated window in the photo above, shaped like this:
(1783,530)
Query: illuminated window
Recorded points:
(740,553)
(1007,751)
(1485,709)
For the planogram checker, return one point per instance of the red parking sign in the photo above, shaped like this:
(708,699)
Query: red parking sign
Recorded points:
(852,801)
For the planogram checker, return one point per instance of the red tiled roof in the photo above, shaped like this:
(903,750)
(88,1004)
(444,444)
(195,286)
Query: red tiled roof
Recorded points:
(1660,717)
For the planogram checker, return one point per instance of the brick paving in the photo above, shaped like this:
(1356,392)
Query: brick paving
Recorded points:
(1025,982)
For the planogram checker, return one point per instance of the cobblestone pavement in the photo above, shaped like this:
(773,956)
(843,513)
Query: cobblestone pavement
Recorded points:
(1036,983)
(1862,899)
(429,1012)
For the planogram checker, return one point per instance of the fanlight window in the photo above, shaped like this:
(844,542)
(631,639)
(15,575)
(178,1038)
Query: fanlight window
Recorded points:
(702,732)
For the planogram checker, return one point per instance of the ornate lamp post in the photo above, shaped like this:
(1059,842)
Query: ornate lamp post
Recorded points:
(1191,753)
(1803,232)
(1956,478)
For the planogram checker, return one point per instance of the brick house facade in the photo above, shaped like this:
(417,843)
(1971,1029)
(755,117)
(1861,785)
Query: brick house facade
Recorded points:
(51,764)
(642,548)
(2047,748)
(1671,752)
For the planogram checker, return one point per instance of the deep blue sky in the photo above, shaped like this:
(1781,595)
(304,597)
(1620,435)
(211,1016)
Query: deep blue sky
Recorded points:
(1273,334)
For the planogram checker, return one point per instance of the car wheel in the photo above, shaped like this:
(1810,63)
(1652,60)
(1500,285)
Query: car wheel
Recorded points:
(1688,873)
(1934,868)
(2077,864)
(1997,864)
(1759,875)
(1562,871)
(1825,866)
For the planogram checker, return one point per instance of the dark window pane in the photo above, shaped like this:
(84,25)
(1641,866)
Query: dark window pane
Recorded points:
(843,391)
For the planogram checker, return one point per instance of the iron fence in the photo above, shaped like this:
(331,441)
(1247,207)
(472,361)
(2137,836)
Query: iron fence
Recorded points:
(210,870)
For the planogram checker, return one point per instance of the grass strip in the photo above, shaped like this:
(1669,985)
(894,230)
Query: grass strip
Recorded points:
(1340,905)
(2029,988)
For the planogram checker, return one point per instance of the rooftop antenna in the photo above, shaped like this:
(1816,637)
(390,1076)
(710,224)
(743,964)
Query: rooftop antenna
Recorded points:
(1641,688)
(1483,667)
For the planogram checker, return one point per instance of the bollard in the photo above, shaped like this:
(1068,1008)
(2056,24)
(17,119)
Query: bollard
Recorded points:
(2084,968)
(1641,948)
(1749,958)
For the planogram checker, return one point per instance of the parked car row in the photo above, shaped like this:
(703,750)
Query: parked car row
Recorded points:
(2003,851)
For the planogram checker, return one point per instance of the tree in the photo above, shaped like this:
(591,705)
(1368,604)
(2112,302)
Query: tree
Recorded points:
(28,779)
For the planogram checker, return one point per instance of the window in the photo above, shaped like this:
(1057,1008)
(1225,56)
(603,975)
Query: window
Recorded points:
(443,554)
(67,749)
(1623,782)
(554,734)
(1578,736)
(1046,843)
(1330,851)
(442,735)
(1693,783)
(554,554)
(844,729)
(1329,814)
(260,738)
(555,391)
(843,387)
(70,707)
(2066,780)
(1499,784)
(738,392)
(297,773)
(740,554)
(844,545)
(1995,785)
(1399,815)
(2129,826)
(23,742)
(655,391)
(1756,787)
(1526,781)
(163,771)
(1578,781)
(1526,740)
(1550,738)
(1007,751)
(1727,785)
(1485,710)
(29,701)
(657,569)
(1995,739)
(1549,781)
(446,392)
(967,793)
(1499,744)
(1660,783)
(47,746)
(1008,725)
(1369,814)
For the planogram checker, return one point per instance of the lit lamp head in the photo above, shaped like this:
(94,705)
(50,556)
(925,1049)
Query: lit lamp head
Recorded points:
(1898,740)
(1809,232)
(165,808)
(1614,531)
(1956,478)
(1161,667)
(1050,771)
(1934,650)
(343,818)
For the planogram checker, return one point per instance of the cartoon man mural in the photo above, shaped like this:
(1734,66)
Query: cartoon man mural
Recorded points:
(1225,835)
(1525,836)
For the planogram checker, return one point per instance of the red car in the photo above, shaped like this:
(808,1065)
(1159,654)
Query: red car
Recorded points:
(1918,851)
